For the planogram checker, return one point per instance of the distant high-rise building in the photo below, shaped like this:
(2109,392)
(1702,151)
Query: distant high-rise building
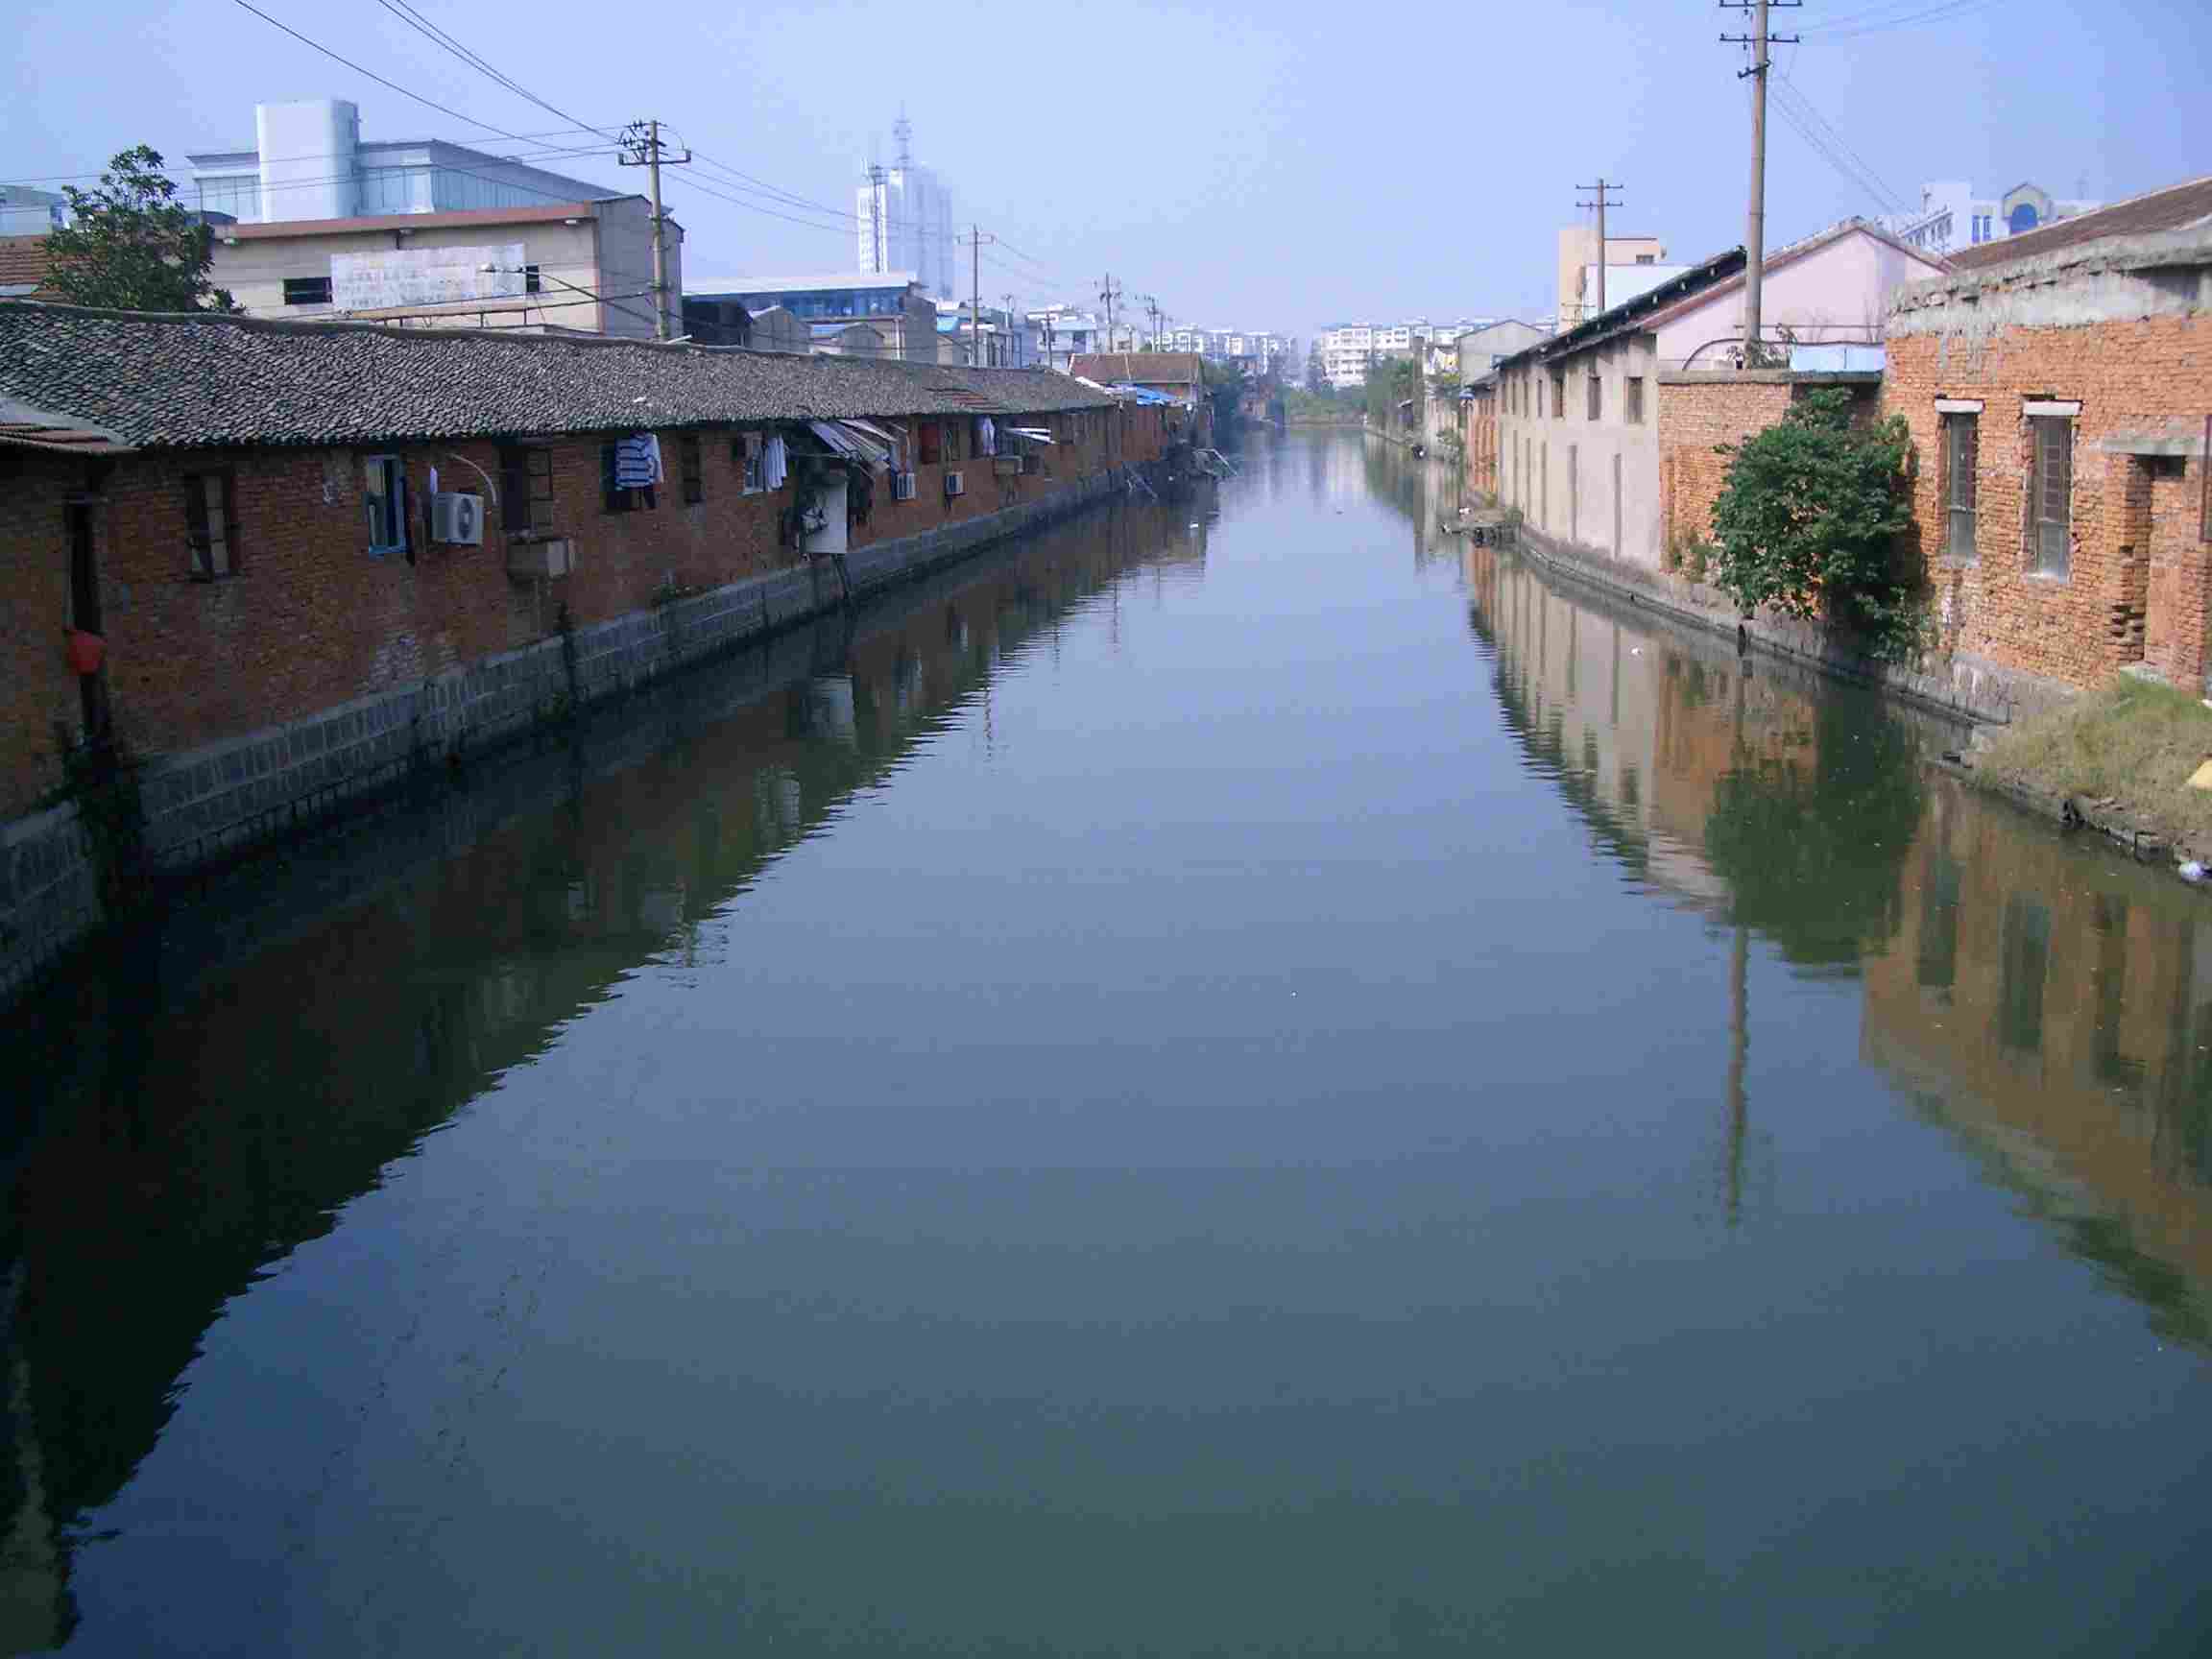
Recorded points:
(906,219)
(1953,216)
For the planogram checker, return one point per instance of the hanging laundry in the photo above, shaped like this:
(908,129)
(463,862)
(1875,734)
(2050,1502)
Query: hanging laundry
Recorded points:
(638,462)
(986,436)
(775,464)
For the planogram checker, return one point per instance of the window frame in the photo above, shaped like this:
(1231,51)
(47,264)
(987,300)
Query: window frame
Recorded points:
(2039,490)
(691,468)
(391,470)
(1961,428)
(1597,398)
(615,497)
(1632,399)
(199,539)
(1559,395)
(307,298)
(523,469)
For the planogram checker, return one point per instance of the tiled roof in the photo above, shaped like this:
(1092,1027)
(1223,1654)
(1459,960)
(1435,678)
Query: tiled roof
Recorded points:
(1142,368)
(2172,208)
(187,382)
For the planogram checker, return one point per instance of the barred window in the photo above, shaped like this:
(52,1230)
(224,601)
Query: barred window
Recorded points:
(1962,446)
(2050,494)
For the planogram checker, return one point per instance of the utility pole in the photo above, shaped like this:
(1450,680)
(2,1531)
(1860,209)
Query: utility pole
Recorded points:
(974,239)
(1760,40)
(1152,309)
(875,186)
(641,147)
(1600,204)
(1014,337)
(1109,292)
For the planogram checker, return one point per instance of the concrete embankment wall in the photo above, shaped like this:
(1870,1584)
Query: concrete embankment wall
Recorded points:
(217,801)
(1963,686)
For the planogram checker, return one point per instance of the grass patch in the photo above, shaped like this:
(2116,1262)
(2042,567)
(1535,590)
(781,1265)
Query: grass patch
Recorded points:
(2130,741)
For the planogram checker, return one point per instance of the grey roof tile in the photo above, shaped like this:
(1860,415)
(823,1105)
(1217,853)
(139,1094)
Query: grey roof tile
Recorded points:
(161,381)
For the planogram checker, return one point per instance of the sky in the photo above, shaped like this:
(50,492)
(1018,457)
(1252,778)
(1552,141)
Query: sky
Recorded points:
(1282,166)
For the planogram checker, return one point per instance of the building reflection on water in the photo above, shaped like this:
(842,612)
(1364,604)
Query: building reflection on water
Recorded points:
(265,1056)
(2046,1003)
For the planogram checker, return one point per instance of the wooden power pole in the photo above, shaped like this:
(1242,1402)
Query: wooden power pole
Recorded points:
(1760,40)
(641,147)
(1601,203)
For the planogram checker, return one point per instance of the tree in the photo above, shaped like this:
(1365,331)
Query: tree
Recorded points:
(1809,517)
(134,246)
(1225,384)
(1316,370)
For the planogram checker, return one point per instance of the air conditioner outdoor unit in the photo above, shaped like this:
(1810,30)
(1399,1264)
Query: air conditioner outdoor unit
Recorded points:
(457,518)
(955,485)
(902,486)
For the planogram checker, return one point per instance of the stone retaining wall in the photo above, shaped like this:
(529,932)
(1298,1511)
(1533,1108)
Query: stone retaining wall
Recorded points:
(220,798)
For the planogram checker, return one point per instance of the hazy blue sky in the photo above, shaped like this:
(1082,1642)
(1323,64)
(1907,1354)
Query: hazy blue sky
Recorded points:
(1257,166)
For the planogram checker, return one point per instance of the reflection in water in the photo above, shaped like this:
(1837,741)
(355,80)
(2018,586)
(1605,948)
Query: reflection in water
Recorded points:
(2051,1003)
(1267,1182)
(202,1119)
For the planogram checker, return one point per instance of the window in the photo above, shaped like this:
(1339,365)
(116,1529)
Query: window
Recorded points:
(613,498)
(932,442)
(688,467)
(384,492)
(306,290)
(750,451)
(951,439)
(210,527)
(530,280)
(526,488)
(1632,399)
(1596,396)
(1559,396)
(1646,258)
(1960,448)
(2050,493)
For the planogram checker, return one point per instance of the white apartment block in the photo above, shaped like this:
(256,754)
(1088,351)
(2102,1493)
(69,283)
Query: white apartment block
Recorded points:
(1952,216)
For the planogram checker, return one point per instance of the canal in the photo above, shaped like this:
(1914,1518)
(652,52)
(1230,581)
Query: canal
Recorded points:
(1235,1079)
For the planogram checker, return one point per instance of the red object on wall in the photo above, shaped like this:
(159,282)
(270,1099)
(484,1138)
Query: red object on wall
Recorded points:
(86,652)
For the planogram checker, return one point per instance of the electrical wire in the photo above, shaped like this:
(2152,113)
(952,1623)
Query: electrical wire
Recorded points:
(1790,94)
(426,103)
(414,19)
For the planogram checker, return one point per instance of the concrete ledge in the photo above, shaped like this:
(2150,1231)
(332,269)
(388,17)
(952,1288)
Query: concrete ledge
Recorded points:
(1770,376)
(1962,688)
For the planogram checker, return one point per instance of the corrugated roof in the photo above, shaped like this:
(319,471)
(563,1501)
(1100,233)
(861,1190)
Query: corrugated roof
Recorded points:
(1142,368)
(2172,208)
(204,382)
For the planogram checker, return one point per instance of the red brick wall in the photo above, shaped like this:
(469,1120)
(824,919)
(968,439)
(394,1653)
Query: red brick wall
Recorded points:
(35,688)
(2135,585)
(309,619)
(1691,420)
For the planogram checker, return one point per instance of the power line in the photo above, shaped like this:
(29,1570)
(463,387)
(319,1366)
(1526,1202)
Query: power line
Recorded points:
(1794,95)
(414,19)
(426,103)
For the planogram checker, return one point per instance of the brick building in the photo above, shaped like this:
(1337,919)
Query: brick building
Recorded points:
(2058,387)
(266,524)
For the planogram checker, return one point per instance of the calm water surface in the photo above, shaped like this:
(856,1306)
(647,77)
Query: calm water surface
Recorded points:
(1240,1079)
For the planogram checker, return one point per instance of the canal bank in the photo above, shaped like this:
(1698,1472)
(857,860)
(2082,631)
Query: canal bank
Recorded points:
(273,602)
(1284,1060)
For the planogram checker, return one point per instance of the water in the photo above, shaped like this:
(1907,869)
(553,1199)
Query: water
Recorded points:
(1244,1079)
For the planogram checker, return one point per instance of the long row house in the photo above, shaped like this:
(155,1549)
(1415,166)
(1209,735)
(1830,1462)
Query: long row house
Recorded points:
(2059,389)
(278,562)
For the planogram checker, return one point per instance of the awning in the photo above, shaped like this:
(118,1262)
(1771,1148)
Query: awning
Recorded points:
(1035,434)
(855,446)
